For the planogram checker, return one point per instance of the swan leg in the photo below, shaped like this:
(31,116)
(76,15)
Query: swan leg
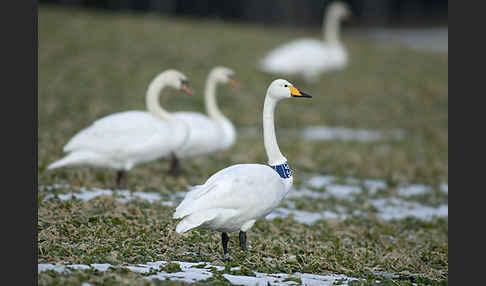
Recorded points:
(243,240)
(120,174)
(174,166)
(224,240)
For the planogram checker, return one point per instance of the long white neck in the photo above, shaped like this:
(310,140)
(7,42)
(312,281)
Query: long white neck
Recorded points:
(269,138)
(210,99)
(330,29)
(152,98)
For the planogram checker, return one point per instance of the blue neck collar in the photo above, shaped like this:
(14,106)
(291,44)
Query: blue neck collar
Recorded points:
(283,170)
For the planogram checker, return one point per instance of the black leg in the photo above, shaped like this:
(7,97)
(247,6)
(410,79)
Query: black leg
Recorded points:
(224,240)
(243,240)
(120,174)
(174,166)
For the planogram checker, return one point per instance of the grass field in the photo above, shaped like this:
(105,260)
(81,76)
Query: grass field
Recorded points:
(92,64)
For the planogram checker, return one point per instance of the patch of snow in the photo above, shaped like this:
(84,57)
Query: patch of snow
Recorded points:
(444,187)
(78,266)
(429,39)
(342,191)
(373,186)
(122,196)
(191,274)
(304,217)
(320,181)
(53,187)
(413,190)
(326,133)
(44,267)
(393,208)
(101,267)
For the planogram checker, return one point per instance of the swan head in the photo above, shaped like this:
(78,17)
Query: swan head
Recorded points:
(339,10)
(281,89)
(177,80)
(224,75)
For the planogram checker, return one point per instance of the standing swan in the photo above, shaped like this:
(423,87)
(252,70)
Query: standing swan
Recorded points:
(236,197)
(120,141)
(310,57)
(207,133)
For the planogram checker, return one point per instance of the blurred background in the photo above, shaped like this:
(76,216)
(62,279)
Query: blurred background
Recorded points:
(284,12)
(380,120)
(98,57)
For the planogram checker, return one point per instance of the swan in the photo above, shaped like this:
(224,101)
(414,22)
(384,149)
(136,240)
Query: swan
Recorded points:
(207,133)
(122,140)
(310,57)
(234,198)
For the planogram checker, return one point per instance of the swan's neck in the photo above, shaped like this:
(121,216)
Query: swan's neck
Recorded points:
(152,98)
(210,100)
(330,29)
(270,140)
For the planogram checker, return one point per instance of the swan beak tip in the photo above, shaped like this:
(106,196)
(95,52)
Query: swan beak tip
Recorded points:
(234,83)
(294,92)
(186,89)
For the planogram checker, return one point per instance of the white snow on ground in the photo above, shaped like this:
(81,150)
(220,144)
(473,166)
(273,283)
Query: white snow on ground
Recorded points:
(190,273)
(326,133)
(305,217)
(429,39)
(393,208)
(413,190)
(444,187)
(122,196)
(316,187)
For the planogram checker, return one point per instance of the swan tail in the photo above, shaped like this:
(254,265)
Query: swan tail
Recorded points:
(189,204)
(76,158)
(194,220)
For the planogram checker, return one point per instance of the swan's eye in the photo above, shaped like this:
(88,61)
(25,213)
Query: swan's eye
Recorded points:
(286,85)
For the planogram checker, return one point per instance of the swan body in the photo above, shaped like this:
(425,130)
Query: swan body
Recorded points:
(307,57)
(211,132)
(236,197)
(207,133)
(122,140)
(225,204)
(311,57)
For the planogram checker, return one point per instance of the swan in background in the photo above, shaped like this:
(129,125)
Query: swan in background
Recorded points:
(311,57)
(234,198)
(207,133)
(122,140)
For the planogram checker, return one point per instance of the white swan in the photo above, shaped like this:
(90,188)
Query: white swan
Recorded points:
(236,197)
(310,57)
(122,140)
(207,133)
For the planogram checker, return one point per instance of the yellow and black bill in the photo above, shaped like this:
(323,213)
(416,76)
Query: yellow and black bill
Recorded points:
(297,93)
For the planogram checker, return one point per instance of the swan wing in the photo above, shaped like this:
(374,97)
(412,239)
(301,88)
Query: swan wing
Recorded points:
(205,135)
(249,188)
(126,132)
